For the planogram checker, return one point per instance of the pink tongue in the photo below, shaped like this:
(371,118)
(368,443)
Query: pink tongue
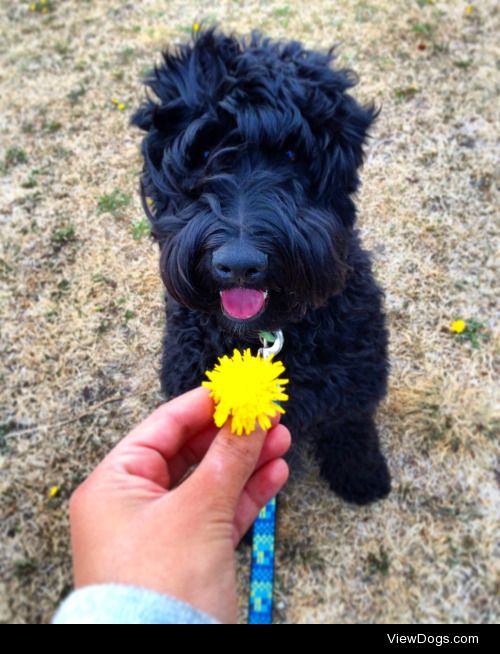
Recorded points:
(242,303)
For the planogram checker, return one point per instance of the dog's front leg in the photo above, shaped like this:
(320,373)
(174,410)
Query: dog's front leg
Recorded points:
(351,461)
(189,349)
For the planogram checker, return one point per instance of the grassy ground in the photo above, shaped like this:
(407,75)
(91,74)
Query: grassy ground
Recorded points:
(81,300)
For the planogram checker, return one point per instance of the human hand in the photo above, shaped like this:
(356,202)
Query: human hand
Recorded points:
(135,521)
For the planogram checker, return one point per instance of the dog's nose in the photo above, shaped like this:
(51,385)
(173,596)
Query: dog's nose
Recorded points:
(239,263)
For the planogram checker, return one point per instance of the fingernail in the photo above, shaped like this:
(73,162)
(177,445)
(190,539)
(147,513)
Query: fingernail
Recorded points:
(275,419)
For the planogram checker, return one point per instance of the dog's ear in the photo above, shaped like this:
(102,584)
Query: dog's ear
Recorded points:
(340,123)
(175,97)
(344,127)
(348,130)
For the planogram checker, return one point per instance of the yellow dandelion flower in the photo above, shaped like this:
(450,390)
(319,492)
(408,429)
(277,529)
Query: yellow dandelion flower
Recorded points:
(458,326)
(196,27)
(53,491)
(33,7)
(115,101)
(469,10)
(121,106)
(248,389)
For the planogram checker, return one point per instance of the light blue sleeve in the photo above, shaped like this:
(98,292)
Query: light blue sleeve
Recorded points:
(124,604)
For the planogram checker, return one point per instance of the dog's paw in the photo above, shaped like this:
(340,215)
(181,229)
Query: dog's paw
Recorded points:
(360,482)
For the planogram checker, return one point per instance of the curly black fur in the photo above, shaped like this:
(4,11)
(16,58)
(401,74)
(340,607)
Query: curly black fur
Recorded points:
(253,149)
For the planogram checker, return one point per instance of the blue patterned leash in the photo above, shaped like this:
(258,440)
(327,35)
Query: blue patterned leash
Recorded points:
(260,604)
(260,607)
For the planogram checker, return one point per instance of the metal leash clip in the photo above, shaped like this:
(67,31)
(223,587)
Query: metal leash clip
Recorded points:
(276,341)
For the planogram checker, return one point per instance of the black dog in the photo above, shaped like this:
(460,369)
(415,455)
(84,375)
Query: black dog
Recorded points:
(250,162)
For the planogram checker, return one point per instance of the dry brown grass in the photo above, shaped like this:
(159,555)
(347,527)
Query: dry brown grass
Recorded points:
(81,300)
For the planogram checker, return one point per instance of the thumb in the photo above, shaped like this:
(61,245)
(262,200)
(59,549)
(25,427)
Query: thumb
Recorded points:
(229,463)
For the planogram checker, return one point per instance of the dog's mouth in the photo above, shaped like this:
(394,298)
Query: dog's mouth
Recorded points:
(243,303)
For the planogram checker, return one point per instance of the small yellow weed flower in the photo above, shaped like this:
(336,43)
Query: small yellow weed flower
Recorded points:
(469,10)
(196,27)
(53,491)
(115,101)
(121,106)
(458,326)
(246,388)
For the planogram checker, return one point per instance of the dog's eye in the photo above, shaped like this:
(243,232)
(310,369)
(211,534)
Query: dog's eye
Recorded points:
(199,155)
(291,154)
(207,140)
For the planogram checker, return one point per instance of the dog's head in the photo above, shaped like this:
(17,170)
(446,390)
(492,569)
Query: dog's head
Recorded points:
(250,160)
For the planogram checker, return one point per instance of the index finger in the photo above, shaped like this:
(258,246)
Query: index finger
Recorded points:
(172,424)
